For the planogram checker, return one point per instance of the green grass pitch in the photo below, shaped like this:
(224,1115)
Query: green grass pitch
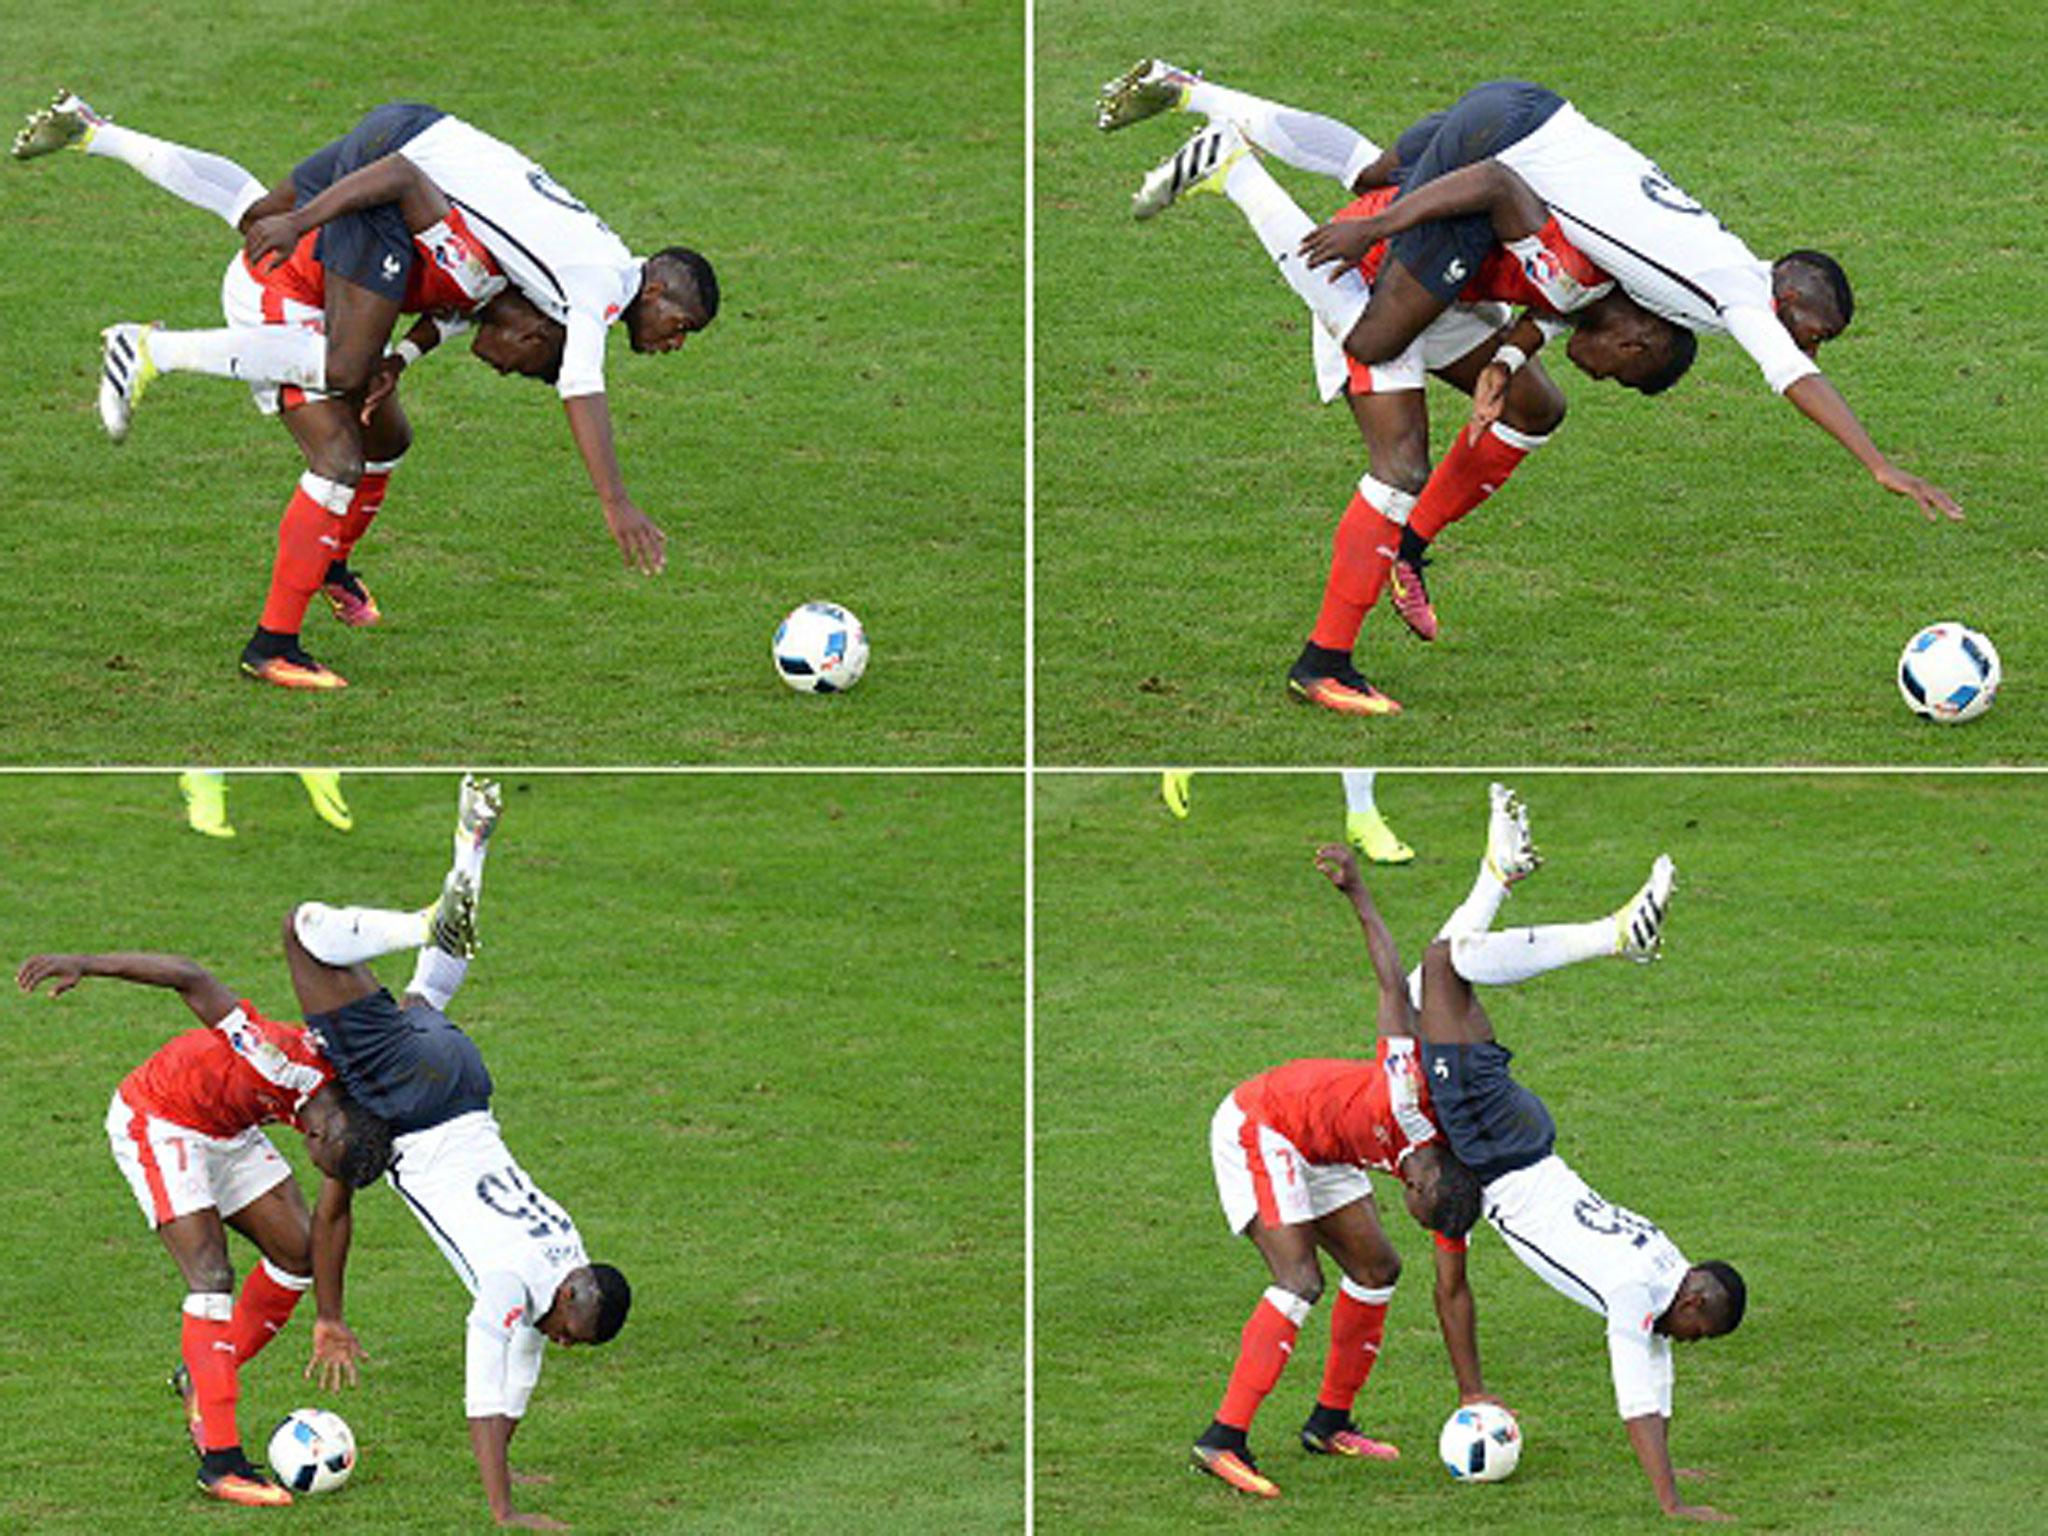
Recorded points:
(762,1038)
(1703,577)
(851,428)
(1834,1079)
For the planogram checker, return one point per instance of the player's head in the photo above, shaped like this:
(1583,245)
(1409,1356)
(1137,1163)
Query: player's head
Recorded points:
(1811,293)
(1710,1302)
(515,337)
(1440,1192)
(345,1140)
(678,295)
(590,1306)
(1616,338)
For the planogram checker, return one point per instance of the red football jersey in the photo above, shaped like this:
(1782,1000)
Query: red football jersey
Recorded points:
(1500,276)
(428,287)
(1347,1111)
(246,1070)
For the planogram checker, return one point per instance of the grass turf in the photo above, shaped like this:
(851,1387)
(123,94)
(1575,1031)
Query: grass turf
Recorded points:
(762,1039)
(850,428)
(1699,578)
(1834,1079)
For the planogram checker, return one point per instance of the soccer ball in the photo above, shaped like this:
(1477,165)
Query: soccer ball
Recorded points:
(1480,1444)
(312,1451)
(1948,673)
(820,648)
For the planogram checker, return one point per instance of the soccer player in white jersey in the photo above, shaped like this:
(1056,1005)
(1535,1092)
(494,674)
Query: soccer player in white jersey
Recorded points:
(563,257)
(1613,203)
(1603,1256)
(517,1253)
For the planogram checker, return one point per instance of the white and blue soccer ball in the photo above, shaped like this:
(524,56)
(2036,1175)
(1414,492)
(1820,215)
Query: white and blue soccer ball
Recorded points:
(312,1451)
(1480,1444)
(820,648)
(1949,673)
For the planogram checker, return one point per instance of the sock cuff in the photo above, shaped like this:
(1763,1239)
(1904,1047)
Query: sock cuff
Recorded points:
(210,1306)
(386,466)
(1371,1295)
(1362,155)
(330,494)
(1288,1305)
(1526,441)
(1394,505)
(286,1278)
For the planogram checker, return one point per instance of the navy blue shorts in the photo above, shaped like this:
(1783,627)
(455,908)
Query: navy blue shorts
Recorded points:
(1443,255)
(1493,1123)
(411,1066)
(371,247)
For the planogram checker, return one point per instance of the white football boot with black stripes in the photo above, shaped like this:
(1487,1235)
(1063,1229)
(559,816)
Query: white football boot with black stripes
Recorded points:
(1639,926)
(125,372)
(1200,165)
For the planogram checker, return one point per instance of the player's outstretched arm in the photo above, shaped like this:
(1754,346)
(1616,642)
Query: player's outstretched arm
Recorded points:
(336,1350)
(490,1440)
(642,545)
(393,179)
(1650,1434)
(202,991)
(1395,1014)
(1458,1316)
(1822,404)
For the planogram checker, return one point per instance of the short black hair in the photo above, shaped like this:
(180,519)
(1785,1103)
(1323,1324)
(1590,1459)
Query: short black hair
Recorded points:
(1822,277)
(614,1301)
(365,1142)
(1684,348)
(700,272)
(1456,1208)
(1733,1299)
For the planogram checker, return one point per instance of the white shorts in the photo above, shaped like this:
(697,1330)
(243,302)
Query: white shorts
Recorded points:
(246,303)
(175,1170)
(1260,1173)
(1582,1246)
(480,1208)
(1453,334)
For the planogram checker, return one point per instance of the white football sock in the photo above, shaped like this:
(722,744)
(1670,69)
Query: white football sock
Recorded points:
(208,181)
(276,354)
(1280,225)
(1308,141)
(1516,954)
(1358,789)
(350,935)
(437,975)
(1475,914)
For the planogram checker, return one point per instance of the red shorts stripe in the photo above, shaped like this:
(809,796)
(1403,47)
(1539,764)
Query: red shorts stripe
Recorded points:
(1262,1180)
(138,1132)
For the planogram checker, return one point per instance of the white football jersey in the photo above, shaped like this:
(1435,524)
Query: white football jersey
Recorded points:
(555,250)
(1668,252)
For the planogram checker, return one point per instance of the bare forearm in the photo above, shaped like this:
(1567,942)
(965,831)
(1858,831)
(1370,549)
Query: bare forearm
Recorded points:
(1650,1435)
(394,179)
(333,1230)
(590,423)
(489,1439)
(1379,944)
(1822,404)
(1487,188)
(179,973)
(1458,1317)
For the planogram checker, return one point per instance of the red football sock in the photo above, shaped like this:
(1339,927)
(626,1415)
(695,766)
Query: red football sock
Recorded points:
(265,1307)
(1262,1352)
(306,541)
(369,500)
(208,1349)
(1465,477)
(1359,563)
(1356,1327)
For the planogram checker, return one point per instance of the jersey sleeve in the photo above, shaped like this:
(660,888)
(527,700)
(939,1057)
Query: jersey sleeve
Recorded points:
(1759,334)
(1640,1357)
(1404,1090)
(492,1348)
(596,297)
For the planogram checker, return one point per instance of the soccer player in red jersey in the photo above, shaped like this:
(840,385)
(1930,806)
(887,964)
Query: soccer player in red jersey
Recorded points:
(1291,1148)
(186,1131)
(351,438)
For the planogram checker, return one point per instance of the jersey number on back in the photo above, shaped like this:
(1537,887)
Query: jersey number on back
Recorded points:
(511,1196)
(1596,1215)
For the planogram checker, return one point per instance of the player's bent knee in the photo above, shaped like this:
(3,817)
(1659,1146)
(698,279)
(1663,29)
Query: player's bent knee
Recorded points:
(1305,1282)
(1539,411)
(1380,1271)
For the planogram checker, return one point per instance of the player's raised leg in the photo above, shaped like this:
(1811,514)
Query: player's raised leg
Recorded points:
(1307,141)
(201,178)
(443,962)
(1364,827)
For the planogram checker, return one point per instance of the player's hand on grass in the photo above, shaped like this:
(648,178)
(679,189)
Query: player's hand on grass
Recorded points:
(642,544)
(1339,866)
(1489,395)
(1343,241)
(532,1522)
(63,971)
(1470,1398)
(276,234)
(1933,501)
(383,384)
(336,1349)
